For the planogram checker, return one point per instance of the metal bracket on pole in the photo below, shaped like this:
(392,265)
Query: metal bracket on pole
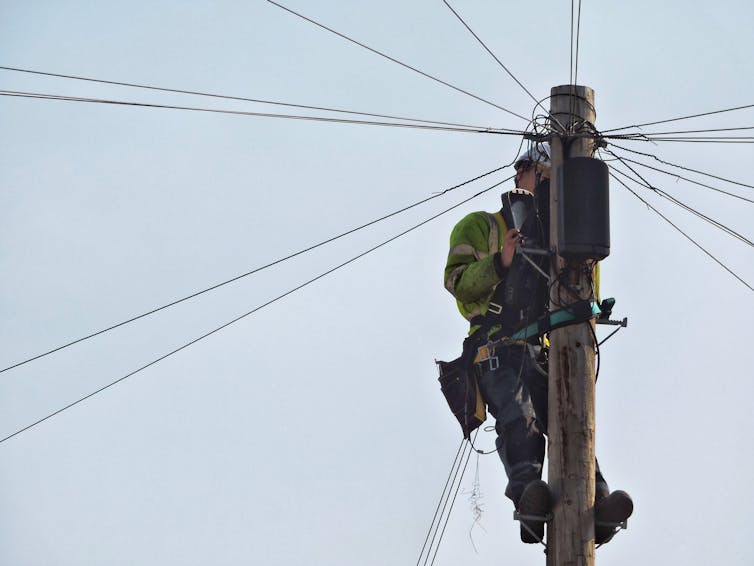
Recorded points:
(536,518)
(619,323)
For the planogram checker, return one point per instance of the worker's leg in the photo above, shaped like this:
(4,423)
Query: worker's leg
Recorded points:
(535,381)
(520,442)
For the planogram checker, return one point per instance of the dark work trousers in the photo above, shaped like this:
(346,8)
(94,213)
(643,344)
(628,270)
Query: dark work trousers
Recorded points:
(516,395)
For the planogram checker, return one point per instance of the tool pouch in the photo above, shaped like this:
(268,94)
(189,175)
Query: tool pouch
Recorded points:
(459,386)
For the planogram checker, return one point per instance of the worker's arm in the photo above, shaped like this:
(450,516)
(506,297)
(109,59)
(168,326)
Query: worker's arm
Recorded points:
(472,272)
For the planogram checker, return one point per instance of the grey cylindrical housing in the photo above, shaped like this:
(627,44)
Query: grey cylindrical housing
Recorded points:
(583,209)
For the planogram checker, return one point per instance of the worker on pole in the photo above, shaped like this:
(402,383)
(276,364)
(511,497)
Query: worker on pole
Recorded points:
(500,285)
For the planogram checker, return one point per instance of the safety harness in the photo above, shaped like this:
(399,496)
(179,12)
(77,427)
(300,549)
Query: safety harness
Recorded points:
(517,312)
(521,298)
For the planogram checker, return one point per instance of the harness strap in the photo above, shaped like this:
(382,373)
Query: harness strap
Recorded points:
(578,312)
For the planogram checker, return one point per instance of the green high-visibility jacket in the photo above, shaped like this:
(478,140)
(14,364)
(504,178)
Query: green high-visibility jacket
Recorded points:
(474,266)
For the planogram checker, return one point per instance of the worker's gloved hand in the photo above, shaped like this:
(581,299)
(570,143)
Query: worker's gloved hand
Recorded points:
(512,237)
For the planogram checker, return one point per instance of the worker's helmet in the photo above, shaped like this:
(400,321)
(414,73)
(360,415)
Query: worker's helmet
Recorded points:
(538,153)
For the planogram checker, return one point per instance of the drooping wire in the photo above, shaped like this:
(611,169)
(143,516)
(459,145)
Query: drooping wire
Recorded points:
(432,527)
(643,182)
(477,507)
(250,272)
(443,497)
(231,97)
(682,167)
(539,124)
(44,96)
(684,234)
(254,310)
(681,118)
(445,506)
(499,62)
(452,503)
(394,60)
(450,485)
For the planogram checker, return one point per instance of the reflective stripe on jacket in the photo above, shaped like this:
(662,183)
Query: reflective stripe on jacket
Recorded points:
(474,266)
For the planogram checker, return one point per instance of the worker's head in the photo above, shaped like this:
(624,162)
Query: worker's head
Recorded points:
(533,167)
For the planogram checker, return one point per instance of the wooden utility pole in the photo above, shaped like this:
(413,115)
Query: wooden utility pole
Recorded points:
(571,467)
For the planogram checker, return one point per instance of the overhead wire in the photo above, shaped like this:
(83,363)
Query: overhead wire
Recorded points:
(700,139)
(574,70)
(372,249)
(692,181)
(570,63)
(370,123)
(683,205)
(45,96)
(683,167)
(445,490)
(252,311)
(701,114)
(451,487)
(684,234)
(578,33)
(394,60)
(230,97)
(708,130)
(688,208)
(452,503)
(653,138)
(499,62)
(249,272)
(642,136)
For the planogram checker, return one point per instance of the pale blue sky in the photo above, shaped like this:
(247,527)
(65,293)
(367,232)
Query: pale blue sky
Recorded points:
(314,431)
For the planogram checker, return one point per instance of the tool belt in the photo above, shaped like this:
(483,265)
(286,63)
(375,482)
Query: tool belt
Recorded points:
(458,380)
(459,385)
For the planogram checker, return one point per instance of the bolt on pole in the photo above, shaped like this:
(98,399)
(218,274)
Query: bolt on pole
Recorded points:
(571,426)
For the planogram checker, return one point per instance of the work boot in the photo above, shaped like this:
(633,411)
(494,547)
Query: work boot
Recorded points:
(609,512)
(535,501)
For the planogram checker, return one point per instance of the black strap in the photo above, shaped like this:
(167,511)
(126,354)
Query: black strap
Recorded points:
(578,312)
(506,306)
